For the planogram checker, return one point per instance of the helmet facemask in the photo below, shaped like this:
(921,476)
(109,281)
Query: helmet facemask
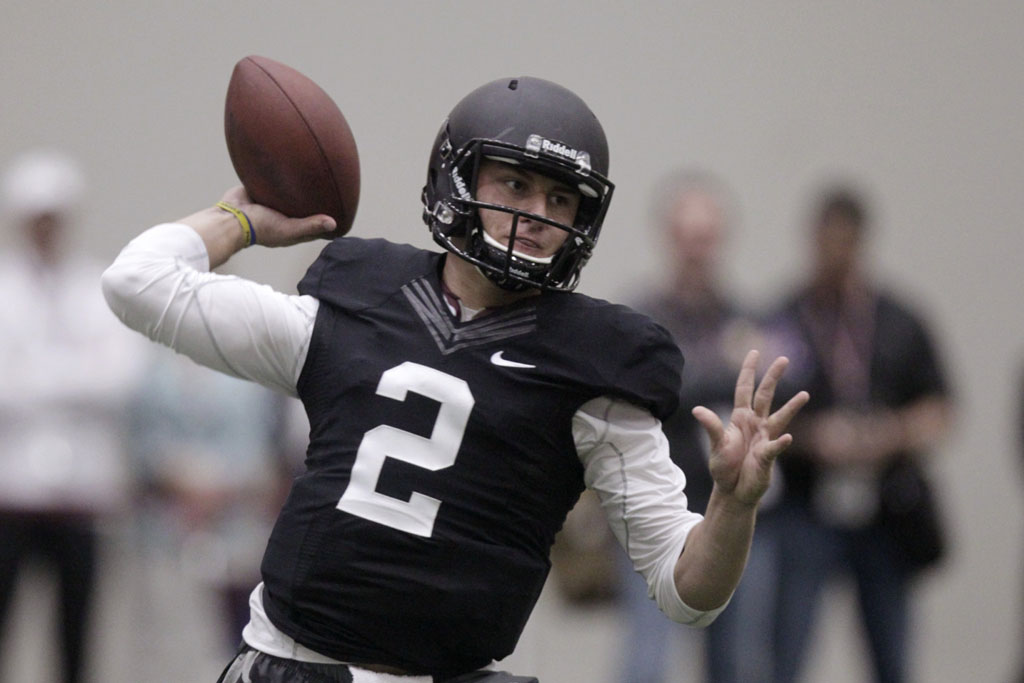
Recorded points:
(456,224)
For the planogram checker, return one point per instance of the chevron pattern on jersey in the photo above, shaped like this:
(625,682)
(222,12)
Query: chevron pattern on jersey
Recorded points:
(449,338)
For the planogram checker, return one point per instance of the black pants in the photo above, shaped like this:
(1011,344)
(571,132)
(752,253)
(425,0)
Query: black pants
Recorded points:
(67,544)
(257,667)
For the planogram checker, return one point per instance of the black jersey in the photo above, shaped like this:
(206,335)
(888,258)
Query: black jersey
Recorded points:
(441,460)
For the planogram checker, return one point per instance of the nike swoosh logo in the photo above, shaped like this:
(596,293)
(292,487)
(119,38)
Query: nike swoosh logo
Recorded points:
(497,359)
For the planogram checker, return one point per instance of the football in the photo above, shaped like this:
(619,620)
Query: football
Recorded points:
(290,144)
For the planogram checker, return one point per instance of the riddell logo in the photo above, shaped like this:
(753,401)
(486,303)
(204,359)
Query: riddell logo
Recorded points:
(559,149)
(460,184)
(535,144)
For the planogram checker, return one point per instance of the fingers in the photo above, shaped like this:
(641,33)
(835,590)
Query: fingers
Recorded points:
(711,423)
(275,230)
(314,226)
(779,420)
(745,381)
(762,399)
(325,223)
(766,390)
(776,447)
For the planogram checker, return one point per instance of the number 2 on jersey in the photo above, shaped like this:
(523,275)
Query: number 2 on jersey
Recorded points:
(417,515)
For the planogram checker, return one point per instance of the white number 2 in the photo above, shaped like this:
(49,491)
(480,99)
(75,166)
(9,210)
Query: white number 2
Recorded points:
(417,515)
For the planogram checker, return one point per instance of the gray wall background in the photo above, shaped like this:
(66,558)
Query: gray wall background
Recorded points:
(921,101)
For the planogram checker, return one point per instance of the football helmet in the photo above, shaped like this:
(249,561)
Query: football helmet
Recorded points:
(542,127)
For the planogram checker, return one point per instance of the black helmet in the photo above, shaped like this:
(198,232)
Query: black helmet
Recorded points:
(544,128)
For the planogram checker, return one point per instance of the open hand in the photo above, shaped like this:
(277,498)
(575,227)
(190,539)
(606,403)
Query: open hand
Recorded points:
(742,453)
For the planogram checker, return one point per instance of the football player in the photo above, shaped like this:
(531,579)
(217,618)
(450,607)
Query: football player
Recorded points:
(459,402)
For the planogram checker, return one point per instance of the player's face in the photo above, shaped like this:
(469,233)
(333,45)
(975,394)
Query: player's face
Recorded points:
(510,185)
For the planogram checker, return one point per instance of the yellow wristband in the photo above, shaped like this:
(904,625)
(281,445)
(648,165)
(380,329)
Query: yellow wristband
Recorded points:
(247,227)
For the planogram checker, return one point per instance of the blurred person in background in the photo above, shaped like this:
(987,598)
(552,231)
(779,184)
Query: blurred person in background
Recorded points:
(694,212)
(66,366)
(856,500)
(214,457)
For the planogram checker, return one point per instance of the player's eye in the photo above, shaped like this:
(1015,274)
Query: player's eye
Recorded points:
(565,203)
(514,184)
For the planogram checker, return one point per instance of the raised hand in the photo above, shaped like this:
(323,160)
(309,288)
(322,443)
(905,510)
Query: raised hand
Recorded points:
(274,229)
(224,235)
(743,451)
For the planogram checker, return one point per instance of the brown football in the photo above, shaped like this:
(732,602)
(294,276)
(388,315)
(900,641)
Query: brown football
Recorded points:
(290,144)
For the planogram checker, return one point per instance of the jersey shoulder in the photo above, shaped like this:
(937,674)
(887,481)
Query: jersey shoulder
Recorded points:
(355,273)
(629,354)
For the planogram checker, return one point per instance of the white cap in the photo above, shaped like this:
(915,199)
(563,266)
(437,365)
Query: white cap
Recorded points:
(42,181)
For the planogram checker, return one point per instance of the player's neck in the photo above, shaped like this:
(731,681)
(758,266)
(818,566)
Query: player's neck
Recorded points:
(472,287)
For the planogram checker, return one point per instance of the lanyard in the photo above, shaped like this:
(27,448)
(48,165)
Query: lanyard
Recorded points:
(843,337)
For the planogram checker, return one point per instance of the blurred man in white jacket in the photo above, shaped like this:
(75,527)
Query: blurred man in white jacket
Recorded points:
(66,366)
